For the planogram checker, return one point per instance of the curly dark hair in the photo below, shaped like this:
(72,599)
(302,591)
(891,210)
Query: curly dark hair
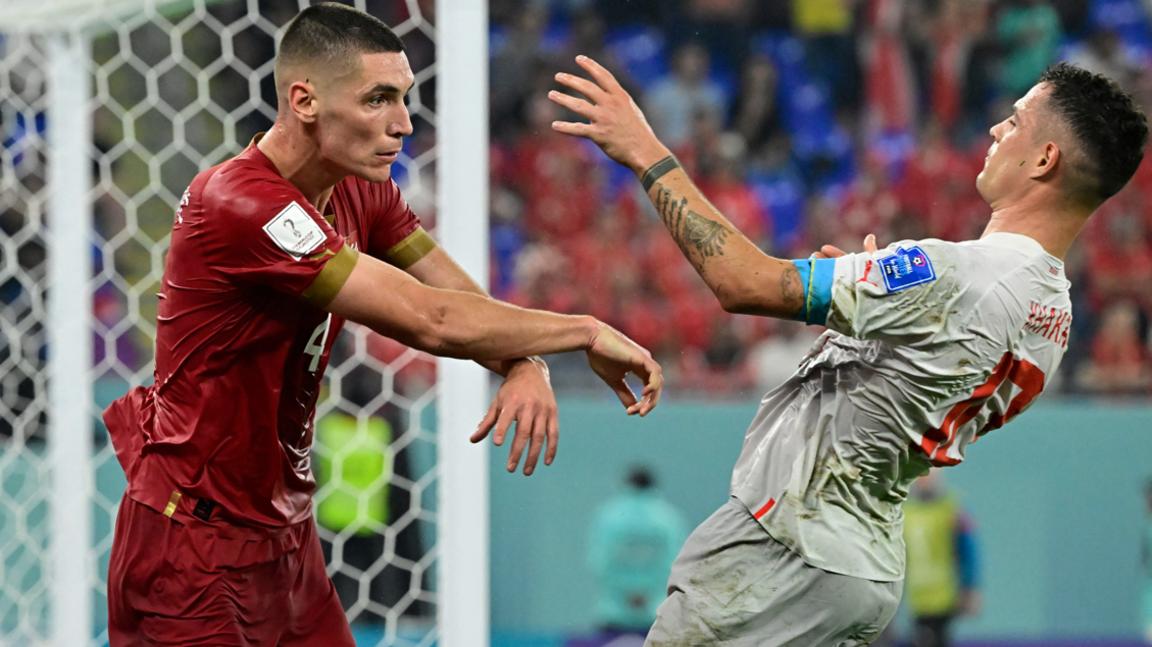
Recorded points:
(1110,129)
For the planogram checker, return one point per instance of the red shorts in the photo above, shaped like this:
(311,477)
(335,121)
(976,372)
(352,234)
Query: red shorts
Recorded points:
(173,585)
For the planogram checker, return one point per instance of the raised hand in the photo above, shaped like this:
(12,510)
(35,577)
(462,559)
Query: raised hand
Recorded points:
(616,124)
(612,356)
(525,398)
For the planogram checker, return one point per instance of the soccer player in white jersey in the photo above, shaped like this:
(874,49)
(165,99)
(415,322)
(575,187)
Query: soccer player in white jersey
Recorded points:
(930,345)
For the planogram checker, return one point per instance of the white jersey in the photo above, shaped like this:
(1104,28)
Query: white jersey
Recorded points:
(931,345)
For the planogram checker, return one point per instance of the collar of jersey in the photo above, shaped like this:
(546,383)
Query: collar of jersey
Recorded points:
(1019,242)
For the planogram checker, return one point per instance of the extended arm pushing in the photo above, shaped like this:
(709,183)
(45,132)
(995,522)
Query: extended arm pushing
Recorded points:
(743,278)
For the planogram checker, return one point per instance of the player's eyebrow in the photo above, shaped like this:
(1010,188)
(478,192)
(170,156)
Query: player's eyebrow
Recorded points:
(388,88)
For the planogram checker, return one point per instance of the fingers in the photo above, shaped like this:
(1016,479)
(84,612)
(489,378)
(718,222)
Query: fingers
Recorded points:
(574,129)
(585,87)
(870,243)
(486,424)
(627,397)
(519,442)
(650,395)
(579,106)
(507,417)
(602,76)
(535,444)
(830,251)
(552,427)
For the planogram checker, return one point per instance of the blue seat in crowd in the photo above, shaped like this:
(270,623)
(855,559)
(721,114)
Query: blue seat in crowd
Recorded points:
(641,50)
(782,192)
(1129,19)
(506,242)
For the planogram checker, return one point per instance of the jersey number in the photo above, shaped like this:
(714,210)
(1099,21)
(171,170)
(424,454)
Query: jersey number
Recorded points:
(315,346)
(1021,372)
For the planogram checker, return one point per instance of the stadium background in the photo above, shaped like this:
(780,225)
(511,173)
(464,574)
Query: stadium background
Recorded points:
(805,122)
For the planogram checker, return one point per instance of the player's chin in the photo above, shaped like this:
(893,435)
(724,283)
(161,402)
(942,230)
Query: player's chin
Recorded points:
(378,170)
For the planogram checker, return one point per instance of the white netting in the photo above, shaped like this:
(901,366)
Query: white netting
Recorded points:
(177,89)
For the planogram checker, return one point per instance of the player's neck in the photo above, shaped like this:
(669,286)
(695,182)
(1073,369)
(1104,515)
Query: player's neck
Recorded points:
(298,161)
(1054,228)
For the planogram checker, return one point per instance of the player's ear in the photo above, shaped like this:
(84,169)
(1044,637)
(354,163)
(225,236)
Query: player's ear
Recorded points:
(1046,164)
(302,100)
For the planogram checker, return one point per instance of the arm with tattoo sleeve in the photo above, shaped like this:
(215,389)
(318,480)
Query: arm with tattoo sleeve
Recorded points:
(743,278)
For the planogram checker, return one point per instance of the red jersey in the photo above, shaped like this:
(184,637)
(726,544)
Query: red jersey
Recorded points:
(223,436)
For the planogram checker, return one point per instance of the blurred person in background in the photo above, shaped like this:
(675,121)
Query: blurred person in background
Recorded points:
(1030,32)
(827,28)
(1120,263)
(353,467)
(755,113)
(1119,361)
(514,66)
(543,167)
(941,581)
(1103,53)
(889,84)
(720,25)
(631,545)
(951,35)
(676,102)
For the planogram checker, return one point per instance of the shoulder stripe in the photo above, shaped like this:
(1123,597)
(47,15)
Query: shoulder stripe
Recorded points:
(413,248)
(331,278)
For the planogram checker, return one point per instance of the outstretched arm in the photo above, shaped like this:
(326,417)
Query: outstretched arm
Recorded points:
(743,278)
(450,323)
(438,269)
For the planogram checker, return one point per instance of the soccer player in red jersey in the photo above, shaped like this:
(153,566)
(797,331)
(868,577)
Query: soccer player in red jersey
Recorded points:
(271,252)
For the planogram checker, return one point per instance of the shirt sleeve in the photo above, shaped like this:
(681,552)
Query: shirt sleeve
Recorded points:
(901,294)
(266,234)
(394,231)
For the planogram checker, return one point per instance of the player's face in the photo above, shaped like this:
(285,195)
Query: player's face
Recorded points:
(1014,144)
(364,116)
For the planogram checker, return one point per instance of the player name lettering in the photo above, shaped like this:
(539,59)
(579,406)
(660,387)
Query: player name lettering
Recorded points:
(1051,323)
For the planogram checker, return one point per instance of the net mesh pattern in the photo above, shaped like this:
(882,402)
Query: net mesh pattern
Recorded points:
(176,89)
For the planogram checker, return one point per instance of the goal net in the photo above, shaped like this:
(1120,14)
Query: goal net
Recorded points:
(173,89)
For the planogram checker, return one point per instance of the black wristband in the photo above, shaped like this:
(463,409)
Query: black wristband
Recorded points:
(657,171)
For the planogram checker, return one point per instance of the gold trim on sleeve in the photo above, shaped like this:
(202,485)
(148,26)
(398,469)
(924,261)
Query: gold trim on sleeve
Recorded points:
(413,248)
(331,278)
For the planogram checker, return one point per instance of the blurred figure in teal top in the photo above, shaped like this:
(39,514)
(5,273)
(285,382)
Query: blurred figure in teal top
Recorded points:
(1146,558)
(634,539)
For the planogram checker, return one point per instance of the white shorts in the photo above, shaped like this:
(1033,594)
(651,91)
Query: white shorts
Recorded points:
(733,584)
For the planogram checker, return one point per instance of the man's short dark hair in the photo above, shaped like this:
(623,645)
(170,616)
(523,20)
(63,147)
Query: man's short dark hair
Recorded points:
(1105,123)
(334,34)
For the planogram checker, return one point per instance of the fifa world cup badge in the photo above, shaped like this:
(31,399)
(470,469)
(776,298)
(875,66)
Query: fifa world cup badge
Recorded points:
(906,268)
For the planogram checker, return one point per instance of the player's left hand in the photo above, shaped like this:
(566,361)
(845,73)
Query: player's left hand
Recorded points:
(616,124)
(525,398)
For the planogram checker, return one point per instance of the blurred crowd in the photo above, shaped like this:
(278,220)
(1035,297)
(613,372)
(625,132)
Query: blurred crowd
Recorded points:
(805,123)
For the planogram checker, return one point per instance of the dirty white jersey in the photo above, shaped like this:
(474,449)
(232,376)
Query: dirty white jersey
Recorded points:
(931,344)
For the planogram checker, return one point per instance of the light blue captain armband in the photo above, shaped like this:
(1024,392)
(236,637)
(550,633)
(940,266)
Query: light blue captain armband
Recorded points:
(816,279)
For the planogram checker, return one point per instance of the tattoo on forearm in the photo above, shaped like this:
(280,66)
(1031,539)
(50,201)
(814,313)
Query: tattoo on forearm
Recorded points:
(792,289)
(690,230)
